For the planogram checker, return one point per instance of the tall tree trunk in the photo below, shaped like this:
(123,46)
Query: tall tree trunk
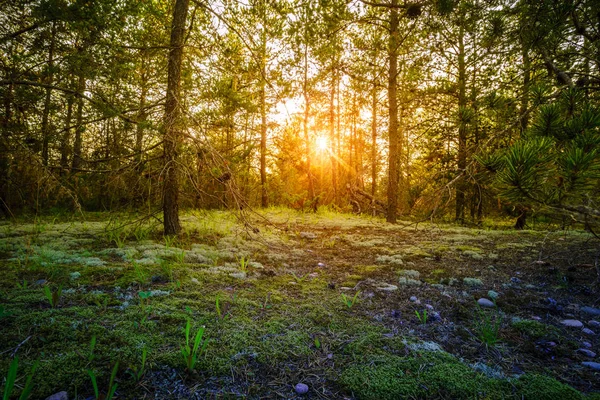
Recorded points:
(172,122)
(66,136)
(264,199)
(374,129)
(4,148)
(46,113)
(311,185)
(525,88)
(462,127)
(79,128)
(332,159)
(393,156)
(142,113)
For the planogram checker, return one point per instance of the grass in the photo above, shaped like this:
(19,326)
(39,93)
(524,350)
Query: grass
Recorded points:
(281,319)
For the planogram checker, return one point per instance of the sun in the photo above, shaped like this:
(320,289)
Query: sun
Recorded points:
(322,144)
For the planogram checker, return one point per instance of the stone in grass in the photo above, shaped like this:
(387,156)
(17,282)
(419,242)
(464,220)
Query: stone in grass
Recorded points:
(472,282)
(413,299)
(408,281)
(588,331)
(58,396)
(587,345)
(587,353)
(486,303)
(591,364)
(572,323)
(594,323)
(590,310)
(301,388)
(386,287)
(75,275)
(308,235)
(493,295)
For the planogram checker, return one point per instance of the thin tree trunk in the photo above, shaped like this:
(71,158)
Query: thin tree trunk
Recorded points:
(311,186)
(79,128)
(172,122)
(142,114)
(264,199)
(525,88)
(462,128)
(393,156)
(46,113)
(332,130)
(64,145)
(374,130)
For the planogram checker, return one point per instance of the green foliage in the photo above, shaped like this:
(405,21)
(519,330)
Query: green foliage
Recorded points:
(112,386)
(422,317)
(190,351)
(349,302)
(11,378)
(137,372)
(4,313)
(53,296)
(488,326)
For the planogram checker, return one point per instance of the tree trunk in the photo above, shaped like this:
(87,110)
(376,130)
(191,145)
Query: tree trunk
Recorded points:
(374,129)
(264,199)
(393,157)
(311,186)
(79,128)
(64,145)
(46,113)
(172,122)
(142,114)
(525,88)
(332,130)
(462,127)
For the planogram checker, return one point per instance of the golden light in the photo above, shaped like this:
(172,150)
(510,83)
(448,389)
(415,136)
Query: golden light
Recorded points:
(322,144)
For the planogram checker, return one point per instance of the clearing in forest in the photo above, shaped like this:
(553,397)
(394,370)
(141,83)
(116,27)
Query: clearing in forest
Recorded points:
(337,305)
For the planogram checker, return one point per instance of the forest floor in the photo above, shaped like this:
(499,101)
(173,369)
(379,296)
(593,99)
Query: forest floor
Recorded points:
(350,306)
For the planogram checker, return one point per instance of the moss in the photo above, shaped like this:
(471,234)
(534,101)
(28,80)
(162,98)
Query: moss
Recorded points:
(540,387)
(429,375)
(535,329)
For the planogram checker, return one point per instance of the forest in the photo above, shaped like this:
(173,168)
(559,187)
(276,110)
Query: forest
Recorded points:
(353,199)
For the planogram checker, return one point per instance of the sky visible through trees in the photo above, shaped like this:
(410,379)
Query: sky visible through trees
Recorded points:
(441,108)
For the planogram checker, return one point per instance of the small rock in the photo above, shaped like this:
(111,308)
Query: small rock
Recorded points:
(591,364)
(485,303)
(386,287)
(159,279)
(301,388)
(413,299)
(587,345)
(536,318)
(75,275)
(587,353)
(396,314)
(308,235)
(594,323)
(515,280)
(588,331)
(551,301)
(321,264)
(572,323)
(58,396)
(590,310)
(41,282)
(429,306)
(493,295)
(194,280)
(435,316)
